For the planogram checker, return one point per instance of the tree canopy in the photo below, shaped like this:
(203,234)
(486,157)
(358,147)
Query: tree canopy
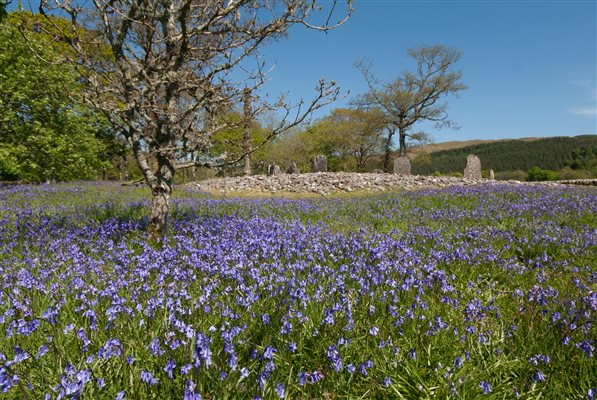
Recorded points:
(45,131)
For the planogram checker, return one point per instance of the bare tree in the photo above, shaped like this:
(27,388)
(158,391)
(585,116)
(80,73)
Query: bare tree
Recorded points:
(170,72)
(415,95)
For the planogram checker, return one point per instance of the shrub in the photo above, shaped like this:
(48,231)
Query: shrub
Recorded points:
(538,174)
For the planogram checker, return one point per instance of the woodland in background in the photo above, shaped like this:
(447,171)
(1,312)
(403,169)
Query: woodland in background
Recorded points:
(549,158)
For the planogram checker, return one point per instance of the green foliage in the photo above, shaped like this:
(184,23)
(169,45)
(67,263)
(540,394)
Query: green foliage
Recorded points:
(555,153)
(45,132)
(349,138)
(230,141)
(538,174)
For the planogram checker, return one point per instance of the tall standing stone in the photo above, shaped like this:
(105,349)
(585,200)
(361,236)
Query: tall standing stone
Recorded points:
(273,169)
(319,163)
(473,167)
(402,166)
(292,168)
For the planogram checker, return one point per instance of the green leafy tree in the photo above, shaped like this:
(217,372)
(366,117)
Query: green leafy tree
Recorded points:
(229,144)
(349,138)
(357,133)
(538,174)
(45,133)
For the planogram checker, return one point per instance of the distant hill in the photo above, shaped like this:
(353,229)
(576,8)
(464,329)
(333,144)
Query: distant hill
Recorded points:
(552,153)
(453,145)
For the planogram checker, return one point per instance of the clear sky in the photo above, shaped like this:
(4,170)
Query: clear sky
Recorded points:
(530,65)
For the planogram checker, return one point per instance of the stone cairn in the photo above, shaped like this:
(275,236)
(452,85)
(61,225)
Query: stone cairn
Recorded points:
(402,166)
(273,169)
(292,168)
(319,163)
(473,168)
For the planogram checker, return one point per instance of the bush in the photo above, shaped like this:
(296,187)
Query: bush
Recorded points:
(568,173)
(538,174)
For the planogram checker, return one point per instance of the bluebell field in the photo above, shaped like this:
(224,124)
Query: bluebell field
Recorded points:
(477,292)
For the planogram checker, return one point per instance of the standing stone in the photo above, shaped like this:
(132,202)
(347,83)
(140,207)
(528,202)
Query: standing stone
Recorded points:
(402,166)
(319,163)
(491,175)
(273,169)
(473,167)
(292,168)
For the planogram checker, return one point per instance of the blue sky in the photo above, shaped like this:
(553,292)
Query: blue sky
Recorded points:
(530,65)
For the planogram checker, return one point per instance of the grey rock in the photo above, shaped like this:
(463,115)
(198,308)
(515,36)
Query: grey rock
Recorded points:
(402,166)
(473,168)
(273,169)
(319,163)
(292,168)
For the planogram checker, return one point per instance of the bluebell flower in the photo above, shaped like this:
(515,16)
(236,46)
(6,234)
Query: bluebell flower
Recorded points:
(302,378)
(147,377)
(538,376)
(280,391)
(43,349)
(268,353)
(387,382)
(485,387)
(458,362)
(169,368)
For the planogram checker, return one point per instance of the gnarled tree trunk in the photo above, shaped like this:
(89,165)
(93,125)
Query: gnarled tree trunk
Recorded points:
(402,139)
(161,189)
(160,206)
(160,183)
(388,151)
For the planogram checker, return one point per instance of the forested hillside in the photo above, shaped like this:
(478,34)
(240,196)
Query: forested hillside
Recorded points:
(555,153)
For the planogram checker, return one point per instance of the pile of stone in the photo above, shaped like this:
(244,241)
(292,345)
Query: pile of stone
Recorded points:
(325,183)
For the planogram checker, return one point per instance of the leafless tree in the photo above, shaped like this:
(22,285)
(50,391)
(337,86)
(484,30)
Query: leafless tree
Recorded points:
(162,70)
(415,95)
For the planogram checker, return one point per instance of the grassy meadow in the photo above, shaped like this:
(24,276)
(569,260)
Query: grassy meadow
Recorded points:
(466,292)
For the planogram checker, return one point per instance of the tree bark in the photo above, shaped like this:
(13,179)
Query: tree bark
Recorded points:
(247,131)
(161,189)
(160,206)
(388,151)
(402,139)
